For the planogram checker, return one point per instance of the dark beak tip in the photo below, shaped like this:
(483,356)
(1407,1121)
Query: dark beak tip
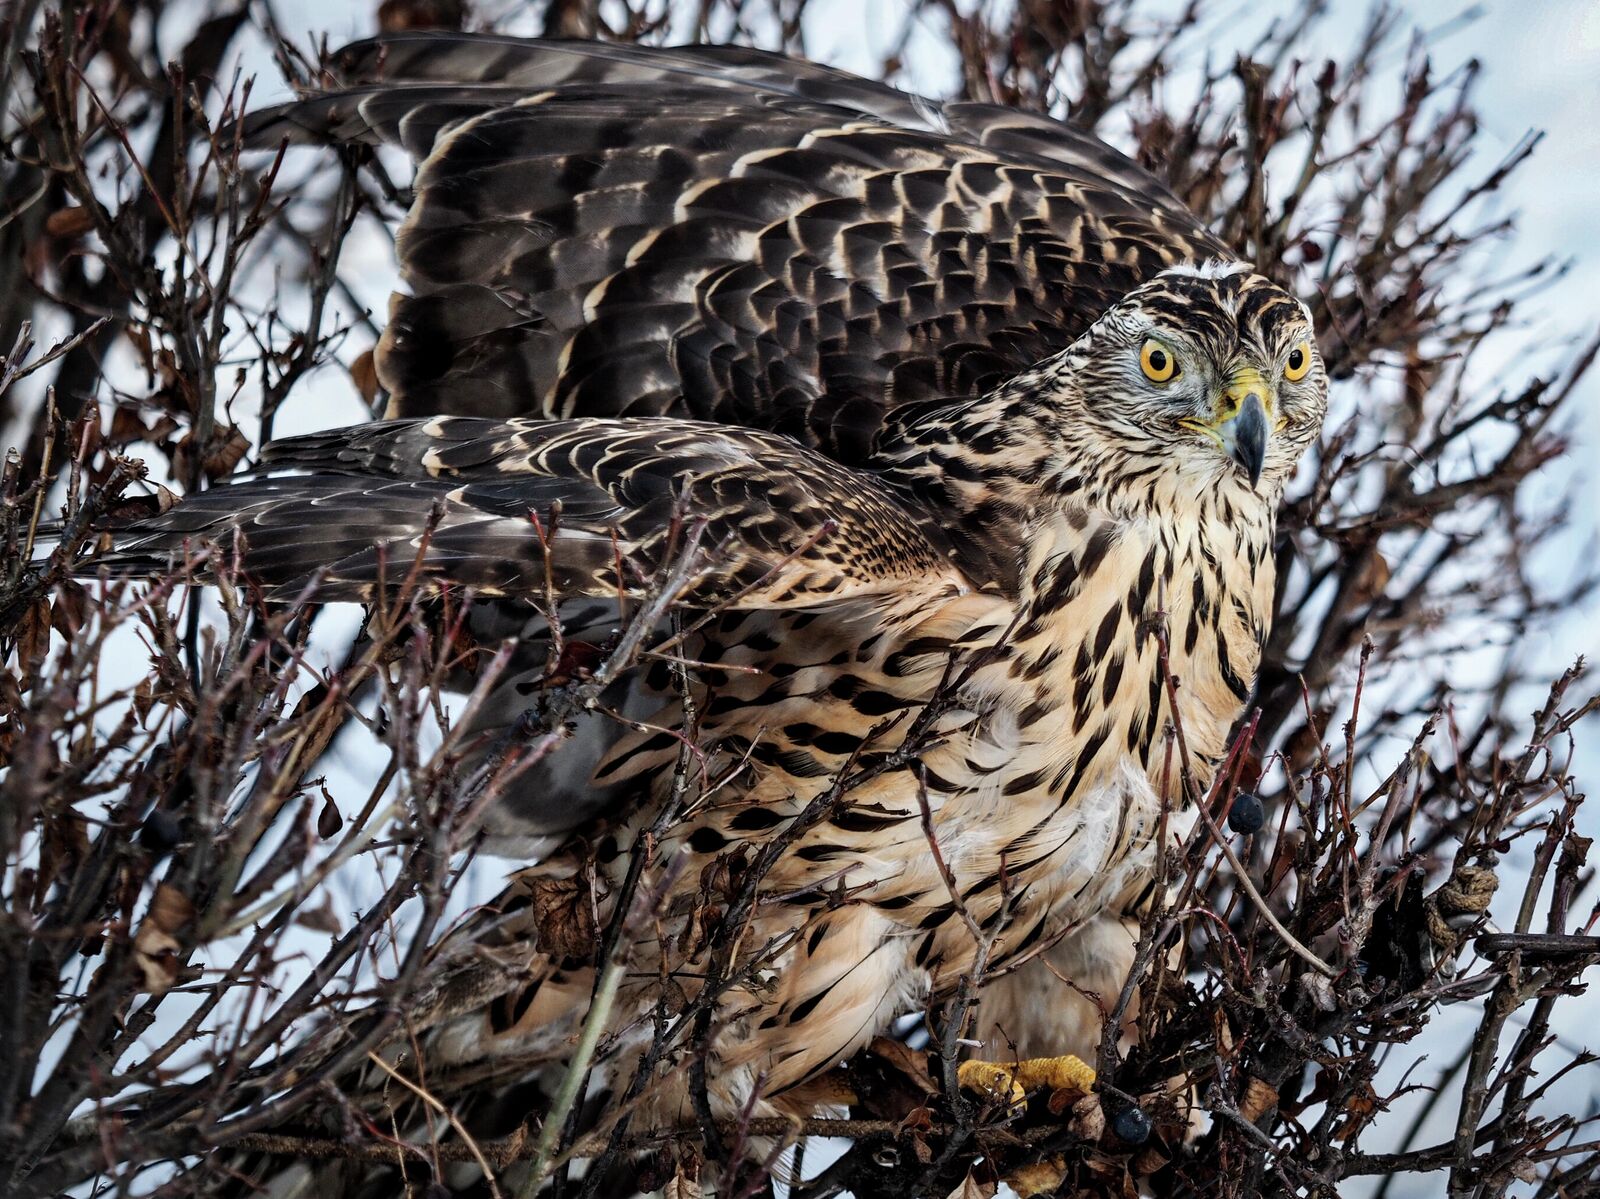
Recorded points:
(1253,468)
(1250,440)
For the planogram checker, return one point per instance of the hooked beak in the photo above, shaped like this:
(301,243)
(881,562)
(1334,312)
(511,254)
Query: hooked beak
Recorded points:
(1244,436)
(1240,425)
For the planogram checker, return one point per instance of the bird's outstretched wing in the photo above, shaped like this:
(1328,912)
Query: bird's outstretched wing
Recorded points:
(725,235)
(592,507)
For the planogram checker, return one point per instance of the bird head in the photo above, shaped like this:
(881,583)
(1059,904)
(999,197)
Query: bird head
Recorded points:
(1205,378)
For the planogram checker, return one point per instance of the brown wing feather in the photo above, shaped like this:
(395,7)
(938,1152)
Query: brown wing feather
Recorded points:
(727,235)
(534,65)
(781,526)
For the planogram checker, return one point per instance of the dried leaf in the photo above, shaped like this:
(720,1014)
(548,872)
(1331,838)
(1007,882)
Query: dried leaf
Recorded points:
(64,844)
(364,372)
(69,224)
(127,426)
(1038,1178)
(578,660)
(564,916)
(143,699)
(70,609)
(155,945)
(681,1186)
(892,1082)
(322,919)
(329,822)
(1260,1097)
(225,452)
(10,715)
(1360,1106)
(908,1062)
(33,639)
(1374,578)
(1362,1102)
(971,1188)
(170,909)
(1088,1122)
(395,16)
(920,1149)
(157,956)
(1304,745)
(1148,1160)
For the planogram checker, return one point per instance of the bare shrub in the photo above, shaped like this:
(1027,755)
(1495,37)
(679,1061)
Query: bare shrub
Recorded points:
(171,850)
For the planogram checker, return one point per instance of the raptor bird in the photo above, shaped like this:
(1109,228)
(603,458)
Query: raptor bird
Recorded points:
(960,401)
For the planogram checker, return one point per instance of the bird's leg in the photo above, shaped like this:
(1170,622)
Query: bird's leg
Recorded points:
(1012,1082)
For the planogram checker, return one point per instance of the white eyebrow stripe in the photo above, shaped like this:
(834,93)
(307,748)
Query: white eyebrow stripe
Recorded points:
(1211,268)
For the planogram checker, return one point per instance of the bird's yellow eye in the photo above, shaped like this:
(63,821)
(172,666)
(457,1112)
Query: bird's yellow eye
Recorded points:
(1158,363)
(1298,363)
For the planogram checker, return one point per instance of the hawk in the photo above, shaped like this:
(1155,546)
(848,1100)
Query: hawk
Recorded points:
(959,398)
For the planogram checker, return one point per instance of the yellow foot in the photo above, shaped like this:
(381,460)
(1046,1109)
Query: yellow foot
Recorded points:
(1010,1082)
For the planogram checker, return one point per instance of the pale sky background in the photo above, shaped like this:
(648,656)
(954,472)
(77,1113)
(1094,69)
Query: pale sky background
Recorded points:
(1542,71)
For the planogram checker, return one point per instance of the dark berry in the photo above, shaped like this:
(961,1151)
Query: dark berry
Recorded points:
(160,832)
(1248,813)
(1131,1125)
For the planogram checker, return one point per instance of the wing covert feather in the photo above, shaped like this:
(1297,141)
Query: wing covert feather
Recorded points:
(726,235)
(782,526)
